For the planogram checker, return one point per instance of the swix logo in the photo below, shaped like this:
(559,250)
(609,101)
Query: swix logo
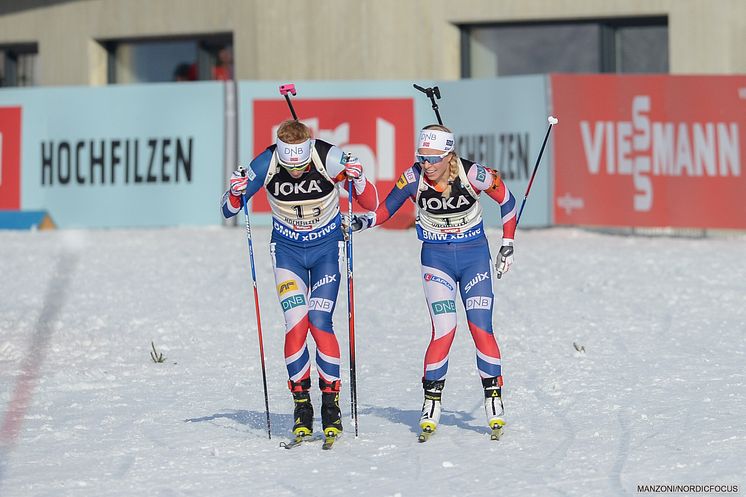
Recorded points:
(328,278)
(479,277)
(286,286)
(478,303)
(438,279)
(296,188)
(441,204)
(292,302)
(378,131)
(642,148)
(10,157)
(443,307)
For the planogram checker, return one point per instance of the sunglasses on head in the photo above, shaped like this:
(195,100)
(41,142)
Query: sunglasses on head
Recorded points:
(432,159)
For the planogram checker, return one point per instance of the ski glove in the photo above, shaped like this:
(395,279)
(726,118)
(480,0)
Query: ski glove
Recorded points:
(353,168)
(239,181)
(504,258)
(358,222)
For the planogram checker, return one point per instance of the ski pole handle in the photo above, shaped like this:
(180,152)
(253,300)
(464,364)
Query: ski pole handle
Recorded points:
(286,90)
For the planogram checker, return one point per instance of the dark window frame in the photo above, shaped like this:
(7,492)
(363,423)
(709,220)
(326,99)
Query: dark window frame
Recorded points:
(607,42)
(207,48)
(10,61)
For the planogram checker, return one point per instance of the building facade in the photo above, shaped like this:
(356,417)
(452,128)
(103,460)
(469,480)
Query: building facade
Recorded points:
(95,42)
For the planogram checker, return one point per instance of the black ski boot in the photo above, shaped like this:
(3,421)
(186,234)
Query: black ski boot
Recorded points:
(430,416)
(493,406)
(331,417)
(303,412)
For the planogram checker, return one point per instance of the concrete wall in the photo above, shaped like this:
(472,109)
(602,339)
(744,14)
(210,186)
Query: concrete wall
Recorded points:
(336,39)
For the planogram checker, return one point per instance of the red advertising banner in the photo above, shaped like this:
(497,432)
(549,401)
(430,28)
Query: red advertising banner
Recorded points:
(650,151)
(380,132)
(10,158)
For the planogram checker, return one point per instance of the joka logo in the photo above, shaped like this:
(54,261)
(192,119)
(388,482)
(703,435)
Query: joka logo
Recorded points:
(444,306)
(293,301)
(378,131)
(441,204)
(286,286)
(296,188)
(10,158)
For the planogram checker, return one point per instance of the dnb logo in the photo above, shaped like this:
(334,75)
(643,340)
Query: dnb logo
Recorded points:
(378,131)
(10,158)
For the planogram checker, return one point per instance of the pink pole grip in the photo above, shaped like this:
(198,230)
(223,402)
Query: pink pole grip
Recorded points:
(287,88)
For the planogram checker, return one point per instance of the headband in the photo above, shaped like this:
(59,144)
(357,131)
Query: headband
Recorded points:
(436,139)
(293,154)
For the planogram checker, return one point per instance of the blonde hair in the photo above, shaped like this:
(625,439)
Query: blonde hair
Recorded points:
(292,131)
(452,162)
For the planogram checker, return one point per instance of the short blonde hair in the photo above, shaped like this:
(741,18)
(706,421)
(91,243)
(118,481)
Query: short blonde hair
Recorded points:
(292,131)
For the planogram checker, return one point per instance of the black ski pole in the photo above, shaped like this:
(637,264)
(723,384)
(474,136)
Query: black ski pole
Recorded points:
(432,94)
(552,121)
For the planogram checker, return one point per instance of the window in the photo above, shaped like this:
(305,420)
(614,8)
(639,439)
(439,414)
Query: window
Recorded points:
(158,60)
(19,65)
(611,45)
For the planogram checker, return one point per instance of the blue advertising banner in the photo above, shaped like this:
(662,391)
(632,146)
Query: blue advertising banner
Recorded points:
(122,156)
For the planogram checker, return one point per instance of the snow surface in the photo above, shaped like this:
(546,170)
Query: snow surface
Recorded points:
(658,396)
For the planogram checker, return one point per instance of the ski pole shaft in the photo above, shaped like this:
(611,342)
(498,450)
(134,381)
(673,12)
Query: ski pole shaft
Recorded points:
(552,122)
(351,312)
(258,312)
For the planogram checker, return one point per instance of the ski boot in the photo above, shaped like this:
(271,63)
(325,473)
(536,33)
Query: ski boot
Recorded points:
(303,412)
(430,408)
(493,406)
(331,417)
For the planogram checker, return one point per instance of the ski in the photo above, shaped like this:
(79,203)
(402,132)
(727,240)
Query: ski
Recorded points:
(299,440)
(330,437)
(425,435)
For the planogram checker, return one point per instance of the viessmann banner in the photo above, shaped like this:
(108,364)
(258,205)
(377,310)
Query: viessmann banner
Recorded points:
(650,150)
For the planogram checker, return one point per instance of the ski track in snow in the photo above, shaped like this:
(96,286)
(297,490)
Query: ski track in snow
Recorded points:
(658,396)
